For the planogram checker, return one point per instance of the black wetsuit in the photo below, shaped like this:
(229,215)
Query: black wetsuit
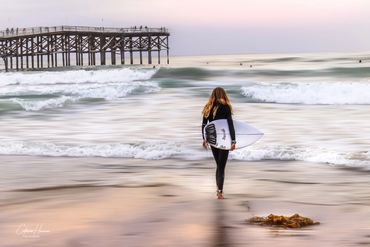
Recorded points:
(220,155)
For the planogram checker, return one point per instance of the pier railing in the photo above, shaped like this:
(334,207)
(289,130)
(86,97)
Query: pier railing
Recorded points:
(15,32)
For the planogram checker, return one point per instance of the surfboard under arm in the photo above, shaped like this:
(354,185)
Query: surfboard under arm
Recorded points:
(217,134)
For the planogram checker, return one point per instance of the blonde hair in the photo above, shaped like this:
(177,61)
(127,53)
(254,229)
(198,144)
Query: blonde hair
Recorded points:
(217,97)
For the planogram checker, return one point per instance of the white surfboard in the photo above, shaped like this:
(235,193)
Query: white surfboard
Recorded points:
(217,134)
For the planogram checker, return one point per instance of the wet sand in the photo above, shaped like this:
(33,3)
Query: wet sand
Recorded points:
(172,203)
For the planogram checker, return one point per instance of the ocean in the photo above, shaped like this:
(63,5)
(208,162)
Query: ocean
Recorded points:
(311,107)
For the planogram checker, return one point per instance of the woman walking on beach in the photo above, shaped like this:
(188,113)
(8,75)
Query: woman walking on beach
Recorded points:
(219,107)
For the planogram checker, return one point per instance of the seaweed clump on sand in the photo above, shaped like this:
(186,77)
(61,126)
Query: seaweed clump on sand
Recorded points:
(294,221)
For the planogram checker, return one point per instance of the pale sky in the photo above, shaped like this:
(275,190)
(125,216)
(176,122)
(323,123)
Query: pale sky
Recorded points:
(200,27)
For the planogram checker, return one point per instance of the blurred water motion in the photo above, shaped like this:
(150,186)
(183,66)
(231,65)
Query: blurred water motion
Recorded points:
(110,157)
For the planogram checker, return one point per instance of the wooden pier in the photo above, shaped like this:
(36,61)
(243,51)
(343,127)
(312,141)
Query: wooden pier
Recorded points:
(63,46)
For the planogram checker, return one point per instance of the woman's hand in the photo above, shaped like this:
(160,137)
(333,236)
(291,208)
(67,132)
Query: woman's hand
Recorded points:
(205,144)
(233,146)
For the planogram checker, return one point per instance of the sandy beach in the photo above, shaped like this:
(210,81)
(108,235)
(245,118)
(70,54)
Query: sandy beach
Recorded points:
(152,203)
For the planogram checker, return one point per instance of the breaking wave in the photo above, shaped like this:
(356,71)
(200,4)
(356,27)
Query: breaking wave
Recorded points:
(165,149)
(330,93)
(45,90)
(75,76)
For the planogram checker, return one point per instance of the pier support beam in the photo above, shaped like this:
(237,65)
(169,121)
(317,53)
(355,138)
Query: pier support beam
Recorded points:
(168,52)
(159,49)
(27,53)
(37,52)
(113,57)
(122,50)
(102,50)
(48,51)
(63,50)
(149,49)
(21,51)
(77,51)
(131,52)
(6,64)
(52,51)
(16,54)
(68,52)
(32,54)
(80,46)
(55,50)
(141,50)
(113,51)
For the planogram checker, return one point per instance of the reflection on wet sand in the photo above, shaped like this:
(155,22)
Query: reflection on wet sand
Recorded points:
(177,207)
(221,238)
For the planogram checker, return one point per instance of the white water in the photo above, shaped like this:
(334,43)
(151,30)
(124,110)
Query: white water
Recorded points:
(72,93)
(136,115)
(75,76)
(46,90)
(340,93)
(163,149)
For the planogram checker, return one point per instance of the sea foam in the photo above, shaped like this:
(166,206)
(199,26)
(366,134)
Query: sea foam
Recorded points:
(75,76)
(46,90)
(177,150)
(330,93)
